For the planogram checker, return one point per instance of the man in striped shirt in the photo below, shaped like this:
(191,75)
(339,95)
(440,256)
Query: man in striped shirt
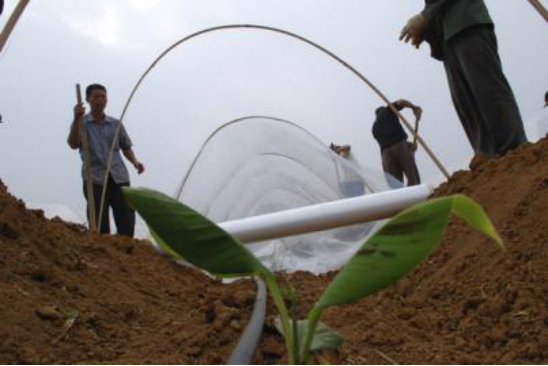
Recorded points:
(101,130)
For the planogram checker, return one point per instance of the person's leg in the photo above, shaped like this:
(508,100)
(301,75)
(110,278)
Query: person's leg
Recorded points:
(476,50)
(124,215)
(105,220)
(464,102)
(410,169)
(466,107)
(390,163)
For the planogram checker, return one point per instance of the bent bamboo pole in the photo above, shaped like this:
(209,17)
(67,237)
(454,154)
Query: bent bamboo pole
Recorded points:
(269,29)
(540,8)
(12,21)
(416,134)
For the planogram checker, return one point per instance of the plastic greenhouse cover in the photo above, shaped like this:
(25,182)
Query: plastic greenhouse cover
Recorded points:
(260,165)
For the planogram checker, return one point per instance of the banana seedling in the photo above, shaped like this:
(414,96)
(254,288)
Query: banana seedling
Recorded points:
(391,253)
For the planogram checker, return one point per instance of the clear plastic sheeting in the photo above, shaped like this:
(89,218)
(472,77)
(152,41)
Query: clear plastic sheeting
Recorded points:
(536,127)
(260,165)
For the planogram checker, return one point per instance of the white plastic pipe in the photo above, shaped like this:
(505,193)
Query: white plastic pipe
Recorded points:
(325,216)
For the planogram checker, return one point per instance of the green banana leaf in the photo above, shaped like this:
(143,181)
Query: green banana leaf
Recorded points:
(163,245)
(325,338)
(184,233)
(399,246)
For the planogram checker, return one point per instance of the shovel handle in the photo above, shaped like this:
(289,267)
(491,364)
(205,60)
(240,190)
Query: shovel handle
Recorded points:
(87,164)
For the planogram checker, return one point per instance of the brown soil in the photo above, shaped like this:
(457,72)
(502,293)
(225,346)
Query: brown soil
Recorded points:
(469,302)
(72,297)
(129,305)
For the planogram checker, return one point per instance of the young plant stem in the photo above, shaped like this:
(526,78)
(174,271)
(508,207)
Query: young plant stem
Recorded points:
(272,285)
(296,345)
(313,318)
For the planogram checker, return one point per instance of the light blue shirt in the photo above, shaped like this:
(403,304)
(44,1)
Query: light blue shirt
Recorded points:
(100,138)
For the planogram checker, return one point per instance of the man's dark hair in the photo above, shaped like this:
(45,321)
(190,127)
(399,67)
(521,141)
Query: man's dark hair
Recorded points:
(546,97)
(1,6)
(93,87)
(379,110)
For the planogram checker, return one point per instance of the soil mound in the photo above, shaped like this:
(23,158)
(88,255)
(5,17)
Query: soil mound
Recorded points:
(72,297)
(469,303)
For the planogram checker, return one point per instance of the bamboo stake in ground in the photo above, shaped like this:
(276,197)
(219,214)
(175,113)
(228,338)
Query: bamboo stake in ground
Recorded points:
(12,21)
(87,164)
(540,8)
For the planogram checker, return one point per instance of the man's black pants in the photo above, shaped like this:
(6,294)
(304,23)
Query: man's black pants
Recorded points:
(124,215)
(482,96)
(399,160)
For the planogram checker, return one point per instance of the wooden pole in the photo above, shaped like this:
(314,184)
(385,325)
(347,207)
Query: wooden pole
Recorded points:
(87,164)
(12,21)
(540,8)
(416,133)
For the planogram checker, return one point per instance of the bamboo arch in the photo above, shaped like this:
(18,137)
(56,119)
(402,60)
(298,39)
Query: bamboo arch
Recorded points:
(269,29)
(233,122)
(12,22)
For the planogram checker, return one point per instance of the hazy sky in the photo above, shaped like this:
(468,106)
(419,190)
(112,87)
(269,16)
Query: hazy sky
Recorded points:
(223,76)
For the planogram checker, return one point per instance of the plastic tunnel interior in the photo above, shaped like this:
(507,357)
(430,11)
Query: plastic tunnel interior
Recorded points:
(259,165)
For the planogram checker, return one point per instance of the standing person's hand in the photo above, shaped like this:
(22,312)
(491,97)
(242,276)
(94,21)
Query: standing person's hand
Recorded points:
(414,30)
(79,111)
(139,167)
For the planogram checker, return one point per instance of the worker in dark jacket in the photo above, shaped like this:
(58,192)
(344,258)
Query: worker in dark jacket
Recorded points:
(461,34)
(398,155)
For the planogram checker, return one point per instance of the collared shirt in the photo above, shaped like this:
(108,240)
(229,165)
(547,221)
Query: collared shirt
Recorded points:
(457,15)
(100,137)
(387,129)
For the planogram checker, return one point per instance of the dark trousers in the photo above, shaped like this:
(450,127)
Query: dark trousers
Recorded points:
(399,160)
(124,215)
(482,96)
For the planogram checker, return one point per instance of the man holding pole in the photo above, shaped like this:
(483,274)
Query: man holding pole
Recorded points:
(98,134)
(461,34)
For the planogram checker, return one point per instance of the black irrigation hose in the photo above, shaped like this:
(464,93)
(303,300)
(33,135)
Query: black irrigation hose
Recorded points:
(245,349)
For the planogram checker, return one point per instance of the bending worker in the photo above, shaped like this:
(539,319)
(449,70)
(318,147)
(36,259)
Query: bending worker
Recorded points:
(398,155)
